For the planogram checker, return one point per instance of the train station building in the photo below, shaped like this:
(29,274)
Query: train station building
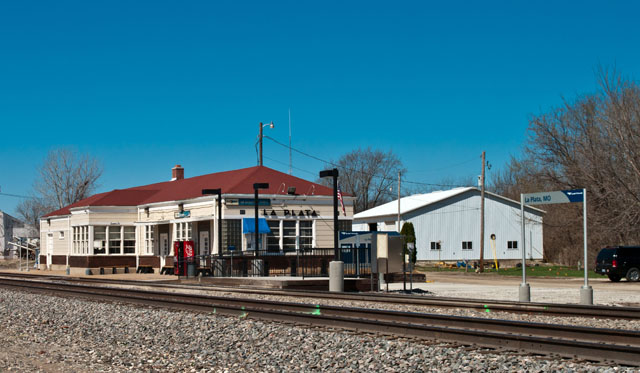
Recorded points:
(138,226)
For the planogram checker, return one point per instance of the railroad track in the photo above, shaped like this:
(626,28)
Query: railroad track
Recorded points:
(607,345)
(544,309)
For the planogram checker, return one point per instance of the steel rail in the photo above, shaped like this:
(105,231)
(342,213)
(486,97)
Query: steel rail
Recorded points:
(589,343)
(544,309)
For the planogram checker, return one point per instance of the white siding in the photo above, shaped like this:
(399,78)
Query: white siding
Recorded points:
(457,219)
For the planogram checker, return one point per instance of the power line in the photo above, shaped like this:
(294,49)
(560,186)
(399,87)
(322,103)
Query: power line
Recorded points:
(384,178)
(444,168)
(295,168)
(13,195)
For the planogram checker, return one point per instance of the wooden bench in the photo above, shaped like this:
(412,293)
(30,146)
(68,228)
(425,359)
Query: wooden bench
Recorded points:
(144,269)
(204,271)
(114,269)
(167,270)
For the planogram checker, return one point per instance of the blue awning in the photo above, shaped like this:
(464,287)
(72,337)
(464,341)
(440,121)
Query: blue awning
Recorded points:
(249,225)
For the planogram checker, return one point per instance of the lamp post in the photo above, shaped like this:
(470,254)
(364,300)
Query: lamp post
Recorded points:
(256,187)
(218,192)
(260,139)
(336,268)
(334,173)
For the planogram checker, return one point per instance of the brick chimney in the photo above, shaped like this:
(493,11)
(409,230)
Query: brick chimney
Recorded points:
(177,173)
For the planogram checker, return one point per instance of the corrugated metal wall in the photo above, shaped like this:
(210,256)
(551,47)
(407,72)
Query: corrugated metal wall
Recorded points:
(457,219)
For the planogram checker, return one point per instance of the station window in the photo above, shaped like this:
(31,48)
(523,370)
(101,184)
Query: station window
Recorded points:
(466,245)
(435,245)
(129,240)
(512,244)
(289,235)
(273,238)
(183,231)
(115,240)
(345,225)
(294,234)
(149,238)
(80,237)
(231,233)
(99,240)
(306,234)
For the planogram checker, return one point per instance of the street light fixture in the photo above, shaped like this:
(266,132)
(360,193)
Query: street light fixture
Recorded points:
(260,138)
(256,187)
(218,192)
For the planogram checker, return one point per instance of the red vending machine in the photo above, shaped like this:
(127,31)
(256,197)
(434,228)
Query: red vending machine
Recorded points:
(189,258)
(184,258)
(179,268)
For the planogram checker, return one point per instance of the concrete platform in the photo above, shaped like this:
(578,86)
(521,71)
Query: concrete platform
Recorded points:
(283,282)
(280,282)
(153,277)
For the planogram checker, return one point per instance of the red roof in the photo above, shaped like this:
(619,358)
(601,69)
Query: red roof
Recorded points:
(231,182)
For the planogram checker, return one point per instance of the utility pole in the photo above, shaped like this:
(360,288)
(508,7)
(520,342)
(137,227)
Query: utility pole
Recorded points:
(481,263)
(290,161)
(404,268)
(260,139)
(398,201)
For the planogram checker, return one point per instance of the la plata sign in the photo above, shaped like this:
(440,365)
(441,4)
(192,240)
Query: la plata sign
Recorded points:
(560,196)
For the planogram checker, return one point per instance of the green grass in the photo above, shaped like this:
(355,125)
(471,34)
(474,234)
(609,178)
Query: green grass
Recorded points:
(541,271)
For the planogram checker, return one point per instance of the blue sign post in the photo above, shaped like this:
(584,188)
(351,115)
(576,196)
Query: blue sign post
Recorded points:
(544,198)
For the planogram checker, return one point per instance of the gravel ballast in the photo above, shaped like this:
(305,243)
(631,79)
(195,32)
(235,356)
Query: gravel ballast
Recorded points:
(45,333)
(487,313)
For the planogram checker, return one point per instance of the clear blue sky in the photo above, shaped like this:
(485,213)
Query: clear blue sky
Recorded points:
(143,86)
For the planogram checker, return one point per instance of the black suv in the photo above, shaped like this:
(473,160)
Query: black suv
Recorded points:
(619,261)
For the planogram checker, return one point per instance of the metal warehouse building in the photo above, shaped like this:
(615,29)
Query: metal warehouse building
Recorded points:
(447,225)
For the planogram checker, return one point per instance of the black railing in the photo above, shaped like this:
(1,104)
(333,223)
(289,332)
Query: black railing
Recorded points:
(304,263)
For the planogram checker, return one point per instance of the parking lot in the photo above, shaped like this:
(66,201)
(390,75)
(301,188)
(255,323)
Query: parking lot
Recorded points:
(552,290)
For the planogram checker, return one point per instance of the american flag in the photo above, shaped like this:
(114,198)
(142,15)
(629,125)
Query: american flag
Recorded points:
(341,202)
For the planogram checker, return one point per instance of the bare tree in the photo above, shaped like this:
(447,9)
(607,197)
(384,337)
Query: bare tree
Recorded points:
(30,210)
(368,175)
(65,177)
(592,142)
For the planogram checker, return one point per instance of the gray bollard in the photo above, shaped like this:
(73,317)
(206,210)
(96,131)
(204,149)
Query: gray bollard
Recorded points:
(336,276)
(586,295)
(524,293)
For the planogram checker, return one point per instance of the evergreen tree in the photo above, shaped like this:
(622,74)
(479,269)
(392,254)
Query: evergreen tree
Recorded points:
(409,237)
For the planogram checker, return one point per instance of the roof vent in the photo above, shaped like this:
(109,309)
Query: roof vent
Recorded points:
(177,173)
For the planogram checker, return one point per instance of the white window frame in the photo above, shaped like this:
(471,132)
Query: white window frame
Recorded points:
(296,231)
(300,236)
(513,244)
(280,234)
(108,230)
(149,239)
(436,246)
(106,240)
(467,245)
(183,231)
(124,231)
(80,240)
